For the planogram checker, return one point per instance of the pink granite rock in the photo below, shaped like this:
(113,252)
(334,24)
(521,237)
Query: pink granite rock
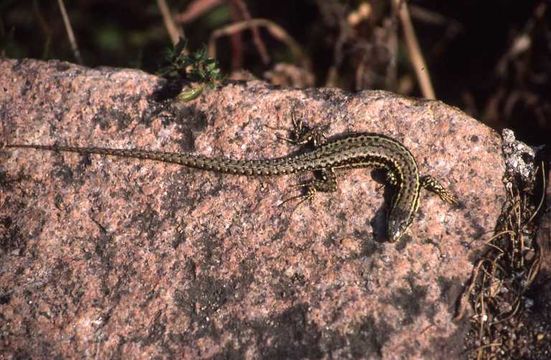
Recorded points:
(108,257)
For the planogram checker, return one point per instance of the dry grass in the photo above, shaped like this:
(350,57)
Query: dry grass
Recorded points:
(501,278)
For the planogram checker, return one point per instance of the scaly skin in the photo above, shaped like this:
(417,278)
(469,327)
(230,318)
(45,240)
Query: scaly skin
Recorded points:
(352,151)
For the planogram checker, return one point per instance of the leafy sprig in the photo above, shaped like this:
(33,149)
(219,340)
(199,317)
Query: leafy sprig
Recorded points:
(194,67)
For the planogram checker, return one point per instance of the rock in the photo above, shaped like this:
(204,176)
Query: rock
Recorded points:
(107,257)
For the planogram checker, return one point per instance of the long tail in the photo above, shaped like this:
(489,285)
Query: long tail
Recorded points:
(225,165)
(128,153)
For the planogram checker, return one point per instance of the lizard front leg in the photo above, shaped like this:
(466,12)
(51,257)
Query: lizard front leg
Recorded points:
(433,185)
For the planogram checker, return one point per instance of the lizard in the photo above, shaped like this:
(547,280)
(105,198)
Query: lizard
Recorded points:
(354,150)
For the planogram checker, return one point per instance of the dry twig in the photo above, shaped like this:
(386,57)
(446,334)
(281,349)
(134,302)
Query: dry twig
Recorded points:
(69,30)
(416,57)
(174,31)
(260,46)
(275,30)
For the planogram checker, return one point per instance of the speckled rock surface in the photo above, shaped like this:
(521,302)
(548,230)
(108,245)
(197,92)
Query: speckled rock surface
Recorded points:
(107,257)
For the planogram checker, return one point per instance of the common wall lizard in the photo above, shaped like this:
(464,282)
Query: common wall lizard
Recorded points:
(352,151)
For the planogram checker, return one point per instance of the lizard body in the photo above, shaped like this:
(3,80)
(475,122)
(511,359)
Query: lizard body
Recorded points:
(353,151)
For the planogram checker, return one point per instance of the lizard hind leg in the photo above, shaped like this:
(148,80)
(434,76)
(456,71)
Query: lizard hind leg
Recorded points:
(326,182)
(433,185)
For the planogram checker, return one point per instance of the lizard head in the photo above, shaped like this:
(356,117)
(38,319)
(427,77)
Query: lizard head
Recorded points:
(398,224)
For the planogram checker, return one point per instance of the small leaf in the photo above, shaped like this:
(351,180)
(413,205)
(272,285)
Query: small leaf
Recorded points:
(191,94)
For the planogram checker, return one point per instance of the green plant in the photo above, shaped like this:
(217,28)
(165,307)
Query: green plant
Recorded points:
(195,67)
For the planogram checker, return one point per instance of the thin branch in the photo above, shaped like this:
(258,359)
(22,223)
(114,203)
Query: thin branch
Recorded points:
(260,46)
(174,31)
(195,9)
(69,29)
(415,55)
(274,29)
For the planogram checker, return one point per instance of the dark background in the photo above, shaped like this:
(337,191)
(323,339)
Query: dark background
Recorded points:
(490,58)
